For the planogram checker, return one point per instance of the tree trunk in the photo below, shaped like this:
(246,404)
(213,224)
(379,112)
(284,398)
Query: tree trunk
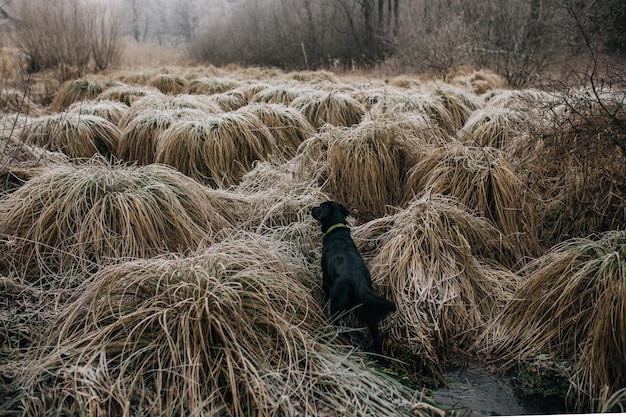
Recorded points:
(367,8)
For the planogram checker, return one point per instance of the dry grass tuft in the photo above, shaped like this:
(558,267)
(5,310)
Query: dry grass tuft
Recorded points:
(113,111)
(492,126)
(14,101)
(76,135)
(412,127)
(482,180)
(364,166)
(19,162)
(168,83)
(369,94)
(158,102)
(76,90)
(136,78)
(439,263)
(26,312)
(525,100)
(138,139)
(459,103)
(313,76)
(572,305)
(278,95)
(288,126)
(126,94)
(249,90)
(218,150)
(232,330)
(14,153)
(11,124)
(337,109)
(279,204)
(425,104)
(83,217)
(229,101)
(210,85)
(480,81)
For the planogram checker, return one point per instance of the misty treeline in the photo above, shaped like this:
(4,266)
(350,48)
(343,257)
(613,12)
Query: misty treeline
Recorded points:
(515,38)
(518,39)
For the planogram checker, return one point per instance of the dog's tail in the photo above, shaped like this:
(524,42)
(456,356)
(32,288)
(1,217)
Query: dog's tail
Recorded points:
(373,304)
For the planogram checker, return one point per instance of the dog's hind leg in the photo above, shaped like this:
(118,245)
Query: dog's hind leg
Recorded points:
(340,304)
(377,345)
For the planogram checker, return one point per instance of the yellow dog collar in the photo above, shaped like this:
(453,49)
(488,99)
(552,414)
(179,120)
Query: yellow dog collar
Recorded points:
(335,226)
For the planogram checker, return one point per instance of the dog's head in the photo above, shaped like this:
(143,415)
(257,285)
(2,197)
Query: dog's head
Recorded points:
(329,213)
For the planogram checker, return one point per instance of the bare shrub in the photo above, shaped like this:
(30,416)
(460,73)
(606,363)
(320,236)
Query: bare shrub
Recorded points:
(69,33)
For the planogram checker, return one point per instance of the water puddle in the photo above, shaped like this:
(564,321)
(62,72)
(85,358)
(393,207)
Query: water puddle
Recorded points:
(474,391)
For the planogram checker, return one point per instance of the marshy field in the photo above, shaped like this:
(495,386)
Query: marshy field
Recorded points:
(158,256)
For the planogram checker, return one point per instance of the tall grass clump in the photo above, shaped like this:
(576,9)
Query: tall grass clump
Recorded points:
(440,264)
(484,181)
(217,150)
(363,166)
(279,203)
(136,78)
(232,330)
(571,305)
(366,168)
(479,81)
(459,102)
(126,94)
(249,90)
(157,102)
(76,90)
(81,217)
(492,126)
(11,123)
(335,108)
(371,94)
(424,103)
(210,85)
(19,162)
(138,139)
(168,83)
(526,99)
(229,101)
(18,102)
(278,95)
(76,135)
(113,111)
(313,77)
(288,126)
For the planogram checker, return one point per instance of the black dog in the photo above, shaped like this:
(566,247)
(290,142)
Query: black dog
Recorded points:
(346,279)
